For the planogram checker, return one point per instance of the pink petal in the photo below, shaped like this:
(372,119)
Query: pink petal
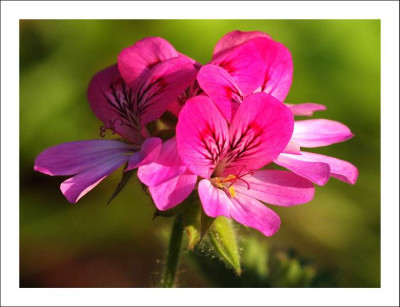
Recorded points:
(276,187)
(320,132)
(278,69)
(215,201)
(174,191)
(340,169)
(161,86)
(111,100)
(250,212)
(75,157)
(148,153)
(235,38)
(244,209)
(244,63)
(202,135)
(317,172)
(292,147)
(167,166)
(143,55)
(76,187)
(259,132)
(305,109)
(221,88)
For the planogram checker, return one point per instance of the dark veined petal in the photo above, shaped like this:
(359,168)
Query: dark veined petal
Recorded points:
(202,135)
(259,132)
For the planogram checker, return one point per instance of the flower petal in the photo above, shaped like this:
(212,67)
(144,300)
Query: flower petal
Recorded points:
(76,187)
(250,212)
(215,201)
(278,69)
(202,135)
(148,153)
(305,109)
(244,63)
(292,147)
(161,86)
(317,172)
(221,88)
(244,209)
(75,157)
(342,170)
(320,132)
(235,38)
(276,187)
(172,192)
(168,165)
(259,132)
(143,55)
(112,101)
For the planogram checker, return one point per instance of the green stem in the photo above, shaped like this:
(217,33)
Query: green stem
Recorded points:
(173,253)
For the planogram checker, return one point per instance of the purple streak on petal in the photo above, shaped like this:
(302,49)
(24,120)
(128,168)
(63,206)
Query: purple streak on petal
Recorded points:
(168,165)
(320,132)
(277,187)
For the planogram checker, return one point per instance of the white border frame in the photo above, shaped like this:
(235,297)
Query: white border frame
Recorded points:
(11,12)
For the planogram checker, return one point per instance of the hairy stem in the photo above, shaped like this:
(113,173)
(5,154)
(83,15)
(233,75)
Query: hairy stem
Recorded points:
(174,250)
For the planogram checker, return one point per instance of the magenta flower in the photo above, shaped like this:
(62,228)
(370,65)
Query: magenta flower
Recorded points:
(228,96)
(125,102)
(229,158)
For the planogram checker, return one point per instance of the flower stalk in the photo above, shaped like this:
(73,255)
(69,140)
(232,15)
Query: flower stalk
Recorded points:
(174,250)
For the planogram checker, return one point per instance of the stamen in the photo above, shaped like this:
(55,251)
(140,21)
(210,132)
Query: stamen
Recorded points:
(227,183)
(110,126)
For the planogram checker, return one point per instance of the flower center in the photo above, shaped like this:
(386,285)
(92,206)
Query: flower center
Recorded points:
(226,183)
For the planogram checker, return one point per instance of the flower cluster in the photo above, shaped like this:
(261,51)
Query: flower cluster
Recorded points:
(229,126)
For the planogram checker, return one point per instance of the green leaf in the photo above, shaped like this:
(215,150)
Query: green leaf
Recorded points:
(223,238)
(124,180)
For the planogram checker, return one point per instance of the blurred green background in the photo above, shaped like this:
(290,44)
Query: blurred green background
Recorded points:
(90,244)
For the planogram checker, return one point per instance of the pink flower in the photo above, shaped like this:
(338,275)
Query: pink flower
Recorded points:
(229,159)
(228,96)
(253,61)
(152,75)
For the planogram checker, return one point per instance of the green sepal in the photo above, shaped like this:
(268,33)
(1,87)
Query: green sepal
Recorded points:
(124,180)
(196,222)
(223,238)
